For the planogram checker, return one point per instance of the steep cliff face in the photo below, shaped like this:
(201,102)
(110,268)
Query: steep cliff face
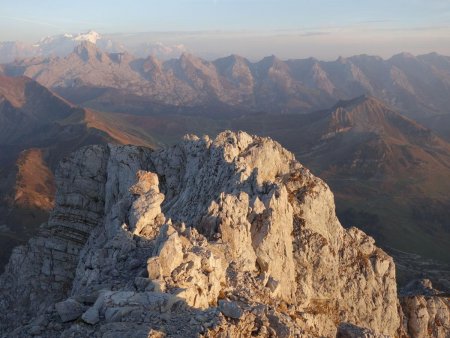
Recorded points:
(42,272)
(223,237)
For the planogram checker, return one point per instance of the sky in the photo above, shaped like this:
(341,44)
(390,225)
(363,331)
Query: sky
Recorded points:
(254,28)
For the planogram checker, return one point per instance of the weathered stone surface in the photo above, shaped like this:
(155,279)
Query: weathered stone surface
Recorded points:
(230,309)
(69,310)
(170,254)
(42,272)
(154,268)
(225,236)
(91,316)
(426,310)
(147,205)
(347,330)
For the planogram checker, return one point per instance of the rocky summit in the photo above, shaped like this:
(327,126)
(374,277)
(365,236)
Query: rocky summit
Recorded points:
(230,237)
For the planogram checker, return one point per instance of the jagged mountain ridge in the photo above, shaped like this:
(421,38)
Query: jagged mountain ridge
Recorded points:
(137,244)
(417,86)
(398,143)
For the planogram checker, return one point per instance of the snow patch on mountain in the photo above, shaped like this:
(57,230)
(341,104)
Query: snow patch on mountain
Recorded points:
(91,36)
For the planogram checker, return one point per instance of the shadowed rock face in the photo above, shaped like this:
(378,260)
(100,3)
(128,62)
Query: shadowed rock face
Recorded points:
(37,130)
(230,235)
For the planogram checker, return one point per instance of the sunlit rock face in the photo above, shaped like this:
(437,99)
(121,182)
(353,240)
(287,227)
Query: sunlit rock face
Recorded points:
(209,237)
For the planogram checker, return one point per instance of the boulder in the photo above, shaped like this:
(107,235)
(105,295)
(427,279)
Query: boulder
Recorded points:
(69,310)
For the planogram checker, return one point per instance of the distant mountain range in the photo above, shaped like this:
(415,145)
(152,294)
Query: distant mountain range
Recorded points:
(418,86)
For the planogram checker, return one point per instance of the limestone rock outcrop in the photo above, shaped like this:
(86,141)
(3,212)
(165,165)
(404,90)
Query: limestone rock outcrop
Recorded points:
(221,237)
(426,310)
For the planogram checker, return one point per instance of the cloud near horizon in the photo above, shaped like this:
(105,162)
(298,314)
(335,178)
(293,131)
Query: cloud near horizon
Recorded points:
(327,43)
(324,29)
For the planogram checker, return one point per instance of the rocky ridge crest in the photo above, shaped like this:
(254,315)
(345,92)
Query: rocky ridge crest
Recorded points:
(92,76)
(216,237)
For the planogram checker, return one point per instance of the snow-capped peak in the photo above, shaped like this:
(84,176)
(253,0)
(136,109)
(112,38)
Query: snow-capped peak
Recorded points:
(91,36)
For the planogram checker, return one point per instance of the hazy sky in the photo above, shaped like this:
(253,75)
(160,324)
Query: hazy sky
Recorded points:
(288,28)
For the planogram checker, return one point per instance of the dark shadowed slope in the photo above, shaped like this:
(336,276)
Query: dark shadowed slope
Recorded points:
(37,129)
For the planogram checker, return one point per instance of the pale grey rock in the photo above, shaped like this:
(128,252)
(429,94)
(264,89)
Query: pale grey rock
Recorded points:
(426,310)
(91,316)
(229,217)
(147,206)
(170,254)
(116,314)
(230,309)
(347,330)
(153,268)
(69,310)
(281,329)
(187,266)
(208,236)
